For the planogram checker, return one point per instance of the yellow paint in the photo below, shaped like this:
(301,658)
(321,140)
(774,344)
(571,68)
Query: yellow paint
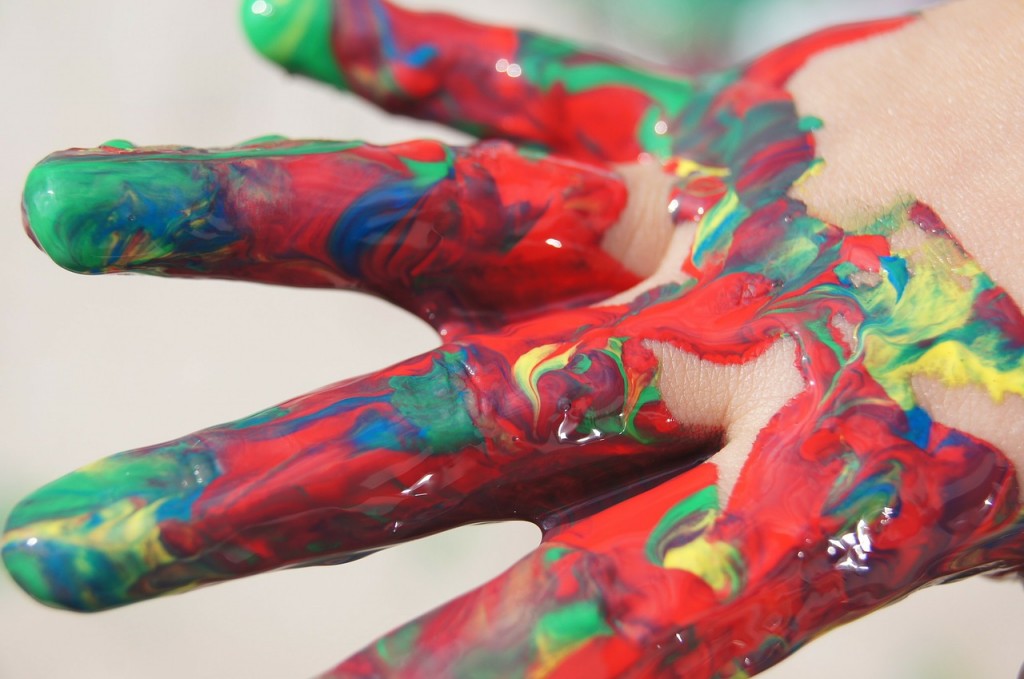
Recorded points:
(716,563)
(535,363)
(955,365)
(924,334)
(713,219)
(814,169)
(550,656)
(686,167)
(133,529)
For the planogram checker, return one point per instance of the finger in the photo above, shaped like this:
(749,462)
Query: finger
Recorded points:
(591,601)
(475,236)
(501,428)
(821,529)
(487,80)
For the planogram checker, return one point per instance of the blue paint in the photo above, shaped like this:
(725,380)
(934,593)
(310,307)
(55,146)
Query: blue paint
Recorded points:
(897,272)
(369,219)
(919,427)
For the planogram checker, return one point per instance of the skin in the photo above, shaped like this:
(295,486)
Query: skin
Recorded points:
(727,457)
(866,171)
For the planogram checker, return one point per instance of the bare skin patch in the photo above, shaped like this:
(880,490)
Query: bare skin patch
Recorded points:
(737,399)
(645,239)
(921,249)
(847,330)
(865,279)
(891,134)
(643,232)
(669,270)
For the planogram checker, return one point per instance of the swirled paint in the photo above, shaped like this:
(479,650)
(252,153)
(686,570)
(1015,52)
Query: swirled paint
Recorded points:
(542,404)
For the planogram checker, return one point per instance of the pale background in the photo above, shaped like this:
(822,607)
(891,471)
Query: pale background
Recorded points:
(91,366)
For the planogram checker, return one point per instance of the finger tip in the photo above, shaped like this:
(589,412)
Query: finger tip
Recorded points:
(33,565)
(47,569)
(295,34)
(42,210)
(19,559)
(66,200)
(85,541)
(115,208)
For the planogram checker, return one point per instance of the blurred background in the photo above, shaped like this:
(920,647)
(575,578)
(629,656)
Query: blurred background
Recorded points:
(94,365)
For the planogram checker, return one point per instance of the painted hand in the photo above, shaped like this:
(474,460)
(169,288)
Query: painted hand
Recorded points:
(703,394)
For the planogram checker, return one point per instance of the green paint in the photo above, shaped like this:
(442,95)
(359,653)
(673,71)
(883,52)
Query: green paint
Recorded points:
(87,540)
(580,364)
(798,251)
(427,173)
(77,576)
(889,222)
(571,624)
(660,145)
(644,393)
(122,144)
(274,146)
(925,323)
(856,496)
(396,648)
(143,477)
(75,208)
(554,554)
(809,123)
(551,63)
(717,228)
(93,211)
(296,34)
(436,404)
(691,511)
(24,568)
(546,62)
